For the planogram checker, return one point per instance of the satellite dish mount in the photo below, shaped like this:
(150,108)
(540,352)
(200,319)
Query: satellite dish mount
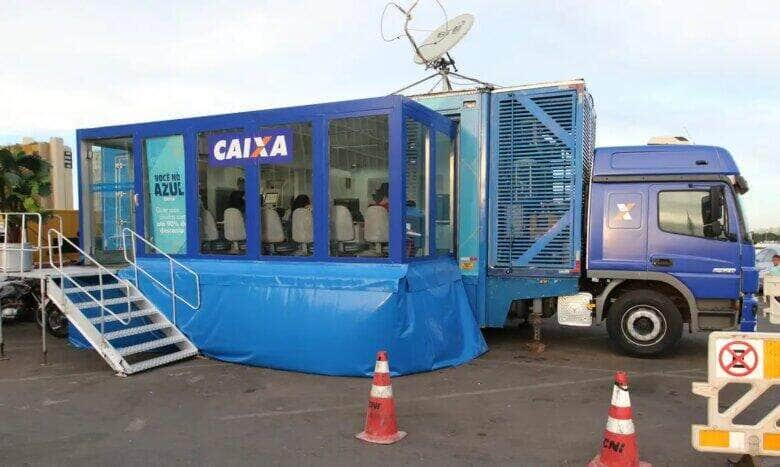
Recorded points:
(434,51)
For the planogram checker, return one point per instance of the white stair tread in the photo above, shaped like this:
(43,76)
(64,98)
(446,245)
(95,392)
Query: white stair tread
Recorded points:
(161,360)
(109,301)
(108,317)
(151,345)
(94,288)
(136,330)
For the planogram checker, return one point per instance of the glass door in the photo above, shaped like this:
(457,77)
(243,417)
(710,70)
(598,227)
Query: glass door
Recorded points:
(109,204)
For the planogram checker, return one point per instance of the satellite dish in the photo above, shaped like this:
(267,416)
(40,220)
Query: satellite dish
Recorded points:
(444,38)
(434,51)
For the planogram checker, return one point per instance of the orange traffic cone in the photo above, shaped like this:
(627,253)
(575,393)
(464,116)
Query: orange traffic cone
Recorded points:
(619,448)
(381,425)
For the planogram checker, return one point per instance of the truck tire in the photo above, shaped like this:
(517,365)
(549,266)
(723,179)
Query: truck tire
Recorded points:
(644,323)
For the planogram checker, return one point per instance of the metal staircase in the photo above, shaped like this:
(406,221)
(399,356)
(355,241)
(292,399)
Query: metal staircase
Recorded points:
(121,324)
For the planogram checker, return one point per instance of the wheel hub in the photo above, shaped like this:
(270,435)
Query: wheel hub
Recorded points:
(644,324)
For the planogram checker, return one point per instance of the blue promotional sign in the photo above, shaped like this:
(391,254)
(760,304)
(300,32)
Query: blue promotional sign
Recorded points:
(167,209)
(256,147)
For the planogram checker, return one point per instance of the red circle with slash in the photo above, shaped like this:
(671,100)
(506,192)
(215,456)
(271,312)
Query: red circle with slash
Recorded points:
(738,358)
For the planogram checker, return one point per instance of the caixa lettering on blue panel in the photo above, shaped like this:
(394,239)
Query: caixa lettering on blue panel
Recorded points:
(256,147)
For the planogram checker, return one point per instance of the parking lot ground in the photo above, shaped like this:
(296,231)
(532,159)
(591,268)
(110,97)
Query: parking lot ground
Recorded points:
(508,407)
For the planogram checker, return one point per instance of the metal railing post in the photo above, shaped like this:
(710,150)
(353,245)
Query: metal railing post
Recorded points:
(43,324)
(2,342)
(102,304)
(173,292)
(5,243)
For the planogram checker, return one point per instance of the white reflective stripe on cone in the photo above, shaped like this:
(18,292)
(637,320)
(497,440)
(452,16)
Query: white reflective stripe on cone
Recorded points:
(381,392)
(381,367)
(620,427)
(620,397)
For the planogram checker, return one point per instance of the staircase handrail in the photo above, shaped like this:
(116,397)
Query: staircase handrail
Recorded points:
(63,275)
(171,261)
(22,242)
(38,230)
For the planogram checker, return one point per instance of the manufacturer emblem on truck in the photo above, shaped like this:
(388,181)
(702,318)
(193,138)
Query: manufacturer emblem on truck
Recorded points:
(625,211)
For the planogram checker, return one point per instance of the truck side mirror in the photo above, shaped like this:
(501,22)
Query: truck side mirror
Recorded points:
(712,205)
(716,202)
(712,212)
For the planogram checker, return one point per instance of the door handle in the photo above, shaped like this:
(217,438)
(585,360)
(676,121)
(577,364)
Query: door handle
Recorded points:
(663,262)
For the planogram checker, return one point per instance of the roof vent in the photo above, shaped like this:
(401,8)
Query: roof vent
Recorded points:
(669,140)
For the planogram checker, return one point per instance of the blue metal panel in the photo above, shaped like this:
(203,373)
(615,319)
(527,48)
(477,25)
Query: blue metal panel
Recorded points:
(540,158)
(664,160)
(471,111)
(618,238)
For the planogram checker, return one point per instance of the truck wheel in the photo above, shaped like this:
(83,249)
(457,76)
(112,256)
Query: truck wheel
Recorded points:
(644,323)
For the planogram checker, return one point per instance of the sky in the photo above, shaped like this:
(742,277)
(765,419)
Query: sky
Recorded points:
(705,69)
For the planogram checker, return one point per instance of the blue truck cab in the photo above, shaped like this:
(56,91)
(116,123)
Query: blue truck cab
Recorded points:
(642,238)
(667,244)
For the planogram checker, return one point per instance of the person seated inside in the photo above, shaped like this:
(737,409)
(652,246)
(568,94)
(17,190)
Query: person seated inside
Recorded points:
(380,196)
(300,201)
(237,197)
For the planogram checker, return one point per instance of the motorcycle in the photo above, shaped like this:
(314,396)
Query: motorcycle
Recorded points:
(20,300)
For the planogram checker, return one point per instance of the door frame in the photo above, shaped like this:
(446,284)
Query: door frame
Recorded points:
(86,199)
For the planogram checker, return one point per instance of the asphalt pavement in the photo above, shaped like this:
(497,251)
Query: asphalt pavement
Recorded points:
(508,407)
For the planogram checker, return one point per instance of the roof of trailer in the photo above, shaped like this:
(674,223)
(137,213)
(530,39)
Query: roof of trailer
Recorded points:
(576,82)
(240,118)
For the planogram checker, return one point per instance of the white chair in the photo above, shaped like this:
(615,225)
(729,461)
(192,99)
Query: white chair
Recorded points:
(273,232)
(210,232)
(235,229)
(377,228)
(343,228)
(303,229)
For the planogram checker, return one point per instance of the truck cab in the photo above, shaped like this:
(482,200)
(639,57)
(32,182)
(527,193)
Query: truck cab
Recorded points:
(667,244)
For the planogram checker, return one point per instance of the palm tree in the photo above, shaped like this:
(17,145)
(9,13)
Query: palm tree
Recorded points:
(24,179)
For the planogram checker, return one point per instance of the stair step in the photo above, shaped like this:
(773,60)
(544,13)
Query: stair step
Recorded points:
(109,301)
(135,330)
(133,349)
(120,316)
(161,360)
(95,288)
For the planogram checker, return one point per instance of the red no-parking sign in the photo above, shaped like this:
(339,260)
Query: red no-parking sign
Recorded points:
(738,358)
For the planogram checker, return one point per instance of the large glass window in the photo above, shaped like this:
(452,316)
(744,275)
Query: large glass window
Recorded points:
(164,193)
(417,190)
(445,194)
(683,213)
(359,198)
(286,199)
(222,210)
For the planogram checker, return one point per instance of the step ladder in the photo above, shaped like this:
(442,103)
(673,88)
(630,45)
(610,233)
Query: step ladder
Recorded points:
(121,324)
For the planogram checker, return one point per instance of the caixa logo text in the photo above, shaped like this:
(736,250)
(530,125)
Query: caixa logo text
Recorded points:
(266,147)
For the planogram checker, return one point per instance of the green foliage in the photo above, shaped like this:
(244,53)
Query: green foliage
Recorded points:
(25,179)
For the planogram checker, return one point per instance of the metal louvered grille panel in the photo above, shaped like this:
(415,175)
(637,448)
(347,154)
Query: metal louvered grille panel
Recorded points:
(588,152)
(534,181)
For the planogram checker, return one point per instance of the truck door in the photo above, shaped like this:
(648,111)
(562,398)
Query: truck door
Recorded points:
(684,242)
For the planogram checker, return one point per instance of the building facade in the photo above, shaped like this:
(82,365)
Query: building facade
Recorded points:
(61,159)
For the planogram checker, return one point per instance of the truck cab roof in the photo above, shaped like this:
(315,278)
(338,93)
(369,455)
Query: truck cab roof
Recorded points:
(663,159)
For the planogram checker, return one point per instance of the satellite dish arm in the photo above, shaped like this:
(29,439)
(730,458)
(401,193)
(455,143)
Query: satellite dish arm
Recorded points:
(408,16)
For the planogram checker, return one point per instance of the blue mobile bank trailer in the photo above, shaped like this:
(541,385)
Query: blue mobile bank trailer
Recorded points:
(322,233)
(319,234)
